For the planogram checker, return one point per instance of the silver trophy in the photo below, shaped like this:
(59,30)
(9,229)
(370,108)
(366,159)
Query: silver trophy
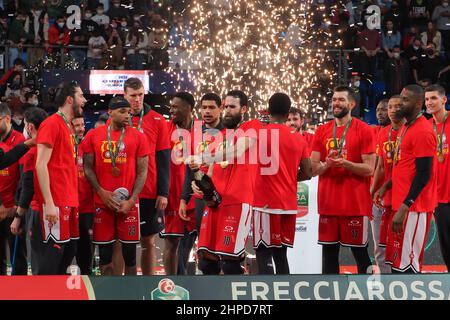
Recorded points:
(121,194)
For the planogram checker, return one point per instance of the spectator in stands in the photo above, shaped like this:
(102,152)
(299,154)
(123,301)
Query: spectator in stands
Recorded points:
(3,31)
(115,44)
(409,37)
(136,43)
(369,41)
(17,37)
(31,98)
(13,86)
(441,16)
(38,27)
(419,13)
(117,10)
(431,35)
(19,65)
(396,73)
(396,15)
(414,55)
(96,47)
(78,37)
(158,43)
(18,100)
(58,34)
(390,38)
(101,18)
(87,24)
(180,35)
(431,64)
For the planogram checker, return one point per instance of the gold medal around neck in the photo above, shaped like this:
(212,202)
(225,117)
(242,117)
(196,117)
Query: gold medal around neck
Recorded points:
(115,171)
(224,164)
(440,157)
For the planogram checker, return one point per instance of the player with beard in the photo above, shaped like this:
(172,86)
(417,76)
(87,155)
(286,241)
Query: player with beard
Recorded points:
(414,185)
(296,120)
(435,100)
(179,128)
(115,163)
(86,204)
(382,198)
(224,230)
(344,158)
(55,216)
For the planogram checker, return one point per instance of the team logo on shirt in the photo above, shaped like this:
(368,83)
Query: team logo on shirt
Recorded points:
(73,142)
(106,153)
(178,152)
(4,172)
(388,150)
(330,146)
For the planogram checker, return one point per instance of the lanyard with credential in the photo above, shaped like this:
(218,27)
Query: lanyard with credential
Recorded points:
(71,130)
(115,153)
(342,141)
(397,150)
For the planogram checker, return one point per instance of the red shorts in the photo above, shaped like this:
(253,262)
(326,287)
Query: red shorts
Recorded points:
(174,226)
(273,230)
(225,229)
(65,229)
(405,250)
(348,231)
(109,226)
(386,220)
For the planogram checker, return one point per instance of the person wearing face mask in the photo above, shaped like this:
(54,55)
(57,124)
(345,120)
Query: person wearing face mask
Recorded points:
(87,24)
(432,35)
(431,64)
(58,34)
(396,73)
(38,28)
(413,54)
(441,16)
(101,18)
(17,36)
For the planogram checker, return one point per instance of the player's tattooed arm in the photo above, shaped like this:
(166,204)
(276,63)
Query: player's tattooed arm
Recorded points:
(141,176)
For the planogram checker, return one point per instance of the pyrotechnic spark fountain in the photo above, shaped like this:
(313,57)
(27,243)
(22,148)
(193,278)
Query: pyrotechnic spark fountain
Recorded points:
(261,47)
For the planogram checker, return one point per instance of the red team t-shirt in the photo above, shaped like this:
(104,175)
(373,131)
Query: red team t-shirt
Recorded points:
(309,138)
(236,182)
(155,130)
(177,167)
(85,191)
(9,177)
(385,150)
(341,192)
(419,141)
(62,168)
(279,189)
(443,169)
(133,146)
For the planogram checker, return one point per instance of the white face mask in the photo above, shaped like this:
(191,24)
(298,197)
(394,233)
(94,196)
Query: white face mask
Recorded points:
(136,18)
(34,102)
(100,11)
(445,4)
(117,5)
(61,24)
(123,23)
(88,15)
(396,55)
(357,83)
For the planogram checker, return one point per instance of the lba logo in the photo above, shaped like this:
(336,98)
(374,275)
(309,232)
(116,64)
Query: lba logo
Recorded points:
(167,290)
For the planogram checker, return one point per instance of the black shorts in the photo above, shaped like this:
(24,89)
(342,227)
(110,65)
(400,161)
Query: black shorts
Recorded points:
(152,221)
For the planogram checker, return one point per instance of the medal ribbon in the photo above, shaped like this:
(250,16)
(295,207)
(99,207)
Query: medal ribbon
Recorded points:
(342,142)
(442,132)
(72,131)
(116,153)
(397,150)
(141,117)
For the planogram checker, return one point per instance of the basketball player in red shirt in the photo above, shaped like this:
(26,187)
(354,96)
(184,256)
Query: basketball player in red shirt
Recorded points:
(115,164)
(56,184)
(275,198)
(296,120)
(344,158)
(9,182)
(435,100)
(224,230)
(180,127)
(414,185)
(382,198)
(153,199)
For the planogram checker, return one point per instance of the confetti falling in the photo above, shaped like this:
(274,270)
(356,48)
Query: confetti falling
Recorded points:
(260,47)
